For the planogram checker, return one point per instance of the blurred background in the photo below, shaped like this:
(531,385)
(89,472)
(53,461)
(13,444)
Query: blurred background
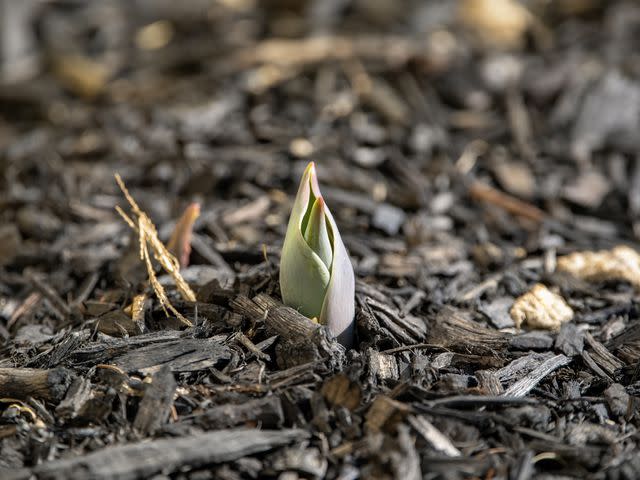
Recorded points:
(445,131)
(463,147)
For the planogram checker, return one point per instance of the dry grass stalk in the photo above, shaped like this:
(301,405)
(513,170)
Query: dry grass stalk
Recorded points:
(137,308)
(148,238)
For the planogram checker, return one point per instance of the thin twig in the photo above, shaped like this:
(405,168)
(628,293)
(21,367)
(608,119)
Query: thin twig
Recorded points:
(485,193)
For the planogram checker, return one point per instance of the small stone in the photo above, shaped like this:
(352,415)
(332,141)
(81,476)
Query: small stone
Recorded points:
(368,157)
(588,189)
(301,147)
(501,71)
(425,138)
(617,399)
(388,218)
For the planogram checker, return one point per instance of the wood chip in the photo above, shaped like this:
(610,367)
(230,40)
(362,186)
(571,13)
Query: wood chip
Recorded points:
(523,386)
(10,240)
(144,459)
(486,193)
(50,385)
(435,437)
(339,390)
(266,412)
(156,404)
(385,413)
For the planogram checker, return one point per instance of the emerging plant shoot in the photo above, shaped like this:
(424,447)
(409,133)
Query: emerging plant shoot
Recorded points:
(316,276)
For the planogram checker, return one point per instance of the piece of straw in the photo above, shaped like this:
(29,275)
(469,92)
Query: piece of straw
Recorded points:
(148,238)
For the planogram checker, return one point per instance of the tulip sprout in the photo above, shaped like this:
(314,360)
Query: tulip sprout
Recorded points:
(316,276)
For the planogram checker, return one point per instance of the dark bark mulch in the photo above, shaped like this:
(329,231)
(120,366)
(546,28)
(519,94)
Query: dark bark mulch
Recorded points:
(461,159)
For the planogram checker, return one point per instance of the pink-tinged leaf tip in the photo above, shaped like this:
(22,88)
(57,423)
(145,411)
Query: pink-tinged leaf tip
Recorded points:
(180,242)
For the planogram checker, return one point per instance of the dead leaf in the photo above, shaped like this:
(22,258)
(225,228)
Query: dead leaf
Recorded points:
(83,76)
(541,308)
(620,263)
(154,36)
(499,23)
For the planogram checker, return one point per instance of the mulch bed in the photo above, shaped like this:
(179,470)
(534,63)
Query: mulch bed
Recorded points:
(463,155)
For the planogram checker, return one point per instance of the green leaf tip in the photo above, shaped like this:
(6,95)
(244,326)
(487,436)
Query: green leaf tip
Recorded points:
(317,235)
(316,275)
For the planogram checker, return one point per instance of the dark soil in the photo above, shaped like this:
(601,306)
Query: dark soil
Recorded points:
(463,148)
